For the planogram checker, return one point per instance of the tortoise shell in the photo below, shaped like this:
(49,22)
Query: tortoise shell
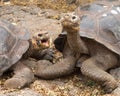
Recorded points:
(13,44)
(100,21)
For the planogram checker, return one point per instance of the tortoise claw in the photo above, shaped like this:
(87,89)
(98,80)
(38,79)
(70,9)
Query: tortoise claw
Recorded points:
(48,54)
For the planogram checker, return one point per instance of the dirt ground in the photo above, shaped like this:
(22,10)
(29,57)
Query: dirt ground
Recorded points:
(37,19)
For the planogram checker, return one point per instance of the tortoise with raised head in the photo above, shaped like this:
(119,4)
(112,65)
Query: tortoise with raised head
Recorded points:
(93,41)
(16,45)
(100,34)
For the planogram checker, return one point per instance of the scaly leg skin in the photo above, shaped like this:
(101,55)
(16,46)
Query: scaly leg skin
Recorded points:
(46,54)
(81,59)
(22,76)
(116,74)
(90,68)
(47,70)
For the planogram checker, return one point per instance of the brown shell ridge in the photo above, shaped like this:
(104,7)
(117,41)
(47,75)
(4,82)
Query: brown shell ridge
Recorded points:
(19,49)
(106,44)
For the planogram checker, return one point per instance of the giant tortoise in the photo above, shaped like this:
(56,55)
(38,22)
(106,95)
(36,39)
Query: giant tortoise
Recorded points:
(100,34)
(90,37)
(17,45)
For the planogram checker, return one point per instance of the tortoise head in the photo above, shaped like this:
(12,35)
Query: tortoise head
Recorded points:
(70,22)
(40,40)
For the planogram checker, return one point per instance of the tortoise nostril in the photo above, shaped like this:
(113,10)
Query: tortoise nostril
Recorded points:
(66,15)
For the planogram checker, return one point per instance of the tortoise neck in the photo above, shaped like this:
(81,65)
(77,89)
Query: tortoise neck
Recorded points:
(28,53)
(76,43)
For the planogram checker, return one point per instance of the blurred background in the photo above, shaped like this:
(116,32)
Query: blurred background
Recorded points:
(61,5)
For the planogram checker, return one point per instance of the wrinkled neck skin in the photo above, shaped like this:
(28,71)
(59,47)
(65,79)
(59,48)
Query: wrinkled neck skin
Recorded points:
(76,44)
(29,52)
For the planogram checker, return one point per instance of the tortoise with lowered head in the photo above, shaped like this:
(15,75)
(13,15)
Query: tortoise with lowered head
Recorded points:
(16,45)
(93,41)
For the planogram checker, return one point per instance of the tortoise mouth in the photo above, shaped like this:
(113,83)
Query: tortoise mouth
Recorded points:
(41,41)
(67,23)
(45,42)
(70,26)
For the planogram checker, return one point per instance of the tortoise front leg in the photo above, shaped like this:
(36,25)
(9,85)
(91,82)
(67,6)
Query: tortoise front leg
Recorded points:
(81,60)
(47,70)
(22,76)
(90,69)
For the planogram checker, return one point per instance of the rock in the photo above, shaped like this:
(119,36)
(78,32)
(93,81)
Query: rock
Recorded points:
(116,92)
(25,92)
(115,73)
